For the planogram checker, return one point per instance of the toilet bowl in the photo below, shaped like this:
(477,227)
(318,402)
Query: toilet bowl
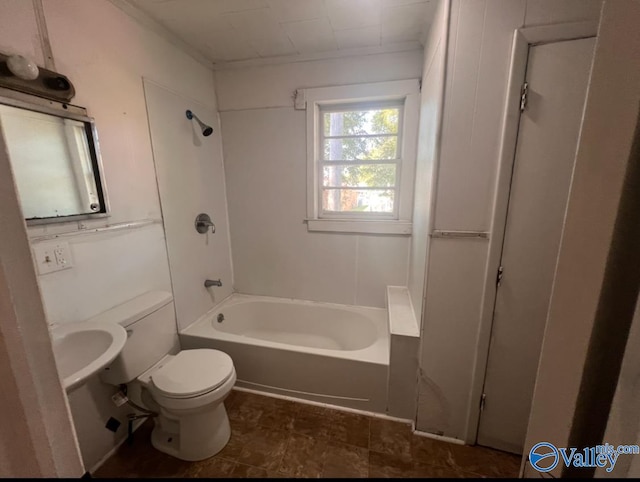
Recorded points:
(188,390)
(185,388)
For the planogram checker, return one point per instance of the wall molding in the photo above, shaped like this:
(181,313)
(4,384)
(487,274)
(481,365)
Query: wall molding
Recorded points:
(128,225)
(332,54)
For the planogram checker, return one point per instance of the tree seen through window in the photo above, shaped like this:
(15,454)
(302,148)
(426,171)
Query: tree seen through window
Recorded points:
(360,154)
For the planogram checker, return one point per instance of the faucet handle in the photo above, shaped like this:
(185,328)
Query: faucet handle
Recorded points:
(203,223)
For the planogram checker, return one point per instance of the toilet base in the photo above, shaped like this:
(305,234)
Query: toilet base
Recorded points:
(193,436)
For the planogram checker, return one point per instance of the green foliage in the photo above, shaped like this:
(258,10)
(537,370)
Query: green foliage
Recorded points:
(383,121)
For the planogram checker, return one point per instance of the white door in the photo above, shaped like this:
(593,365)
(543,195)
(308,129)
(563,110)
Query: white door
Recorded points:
(557,77)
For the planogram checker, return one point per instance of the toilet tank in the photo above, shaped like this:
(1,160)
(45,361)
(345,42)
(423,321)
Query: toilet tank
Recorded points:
(151,334)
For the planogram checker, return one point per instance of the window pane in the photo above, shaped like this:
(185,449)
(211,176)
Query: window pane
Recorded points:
(359,122)
(360,175)
(358,200)
(361,148)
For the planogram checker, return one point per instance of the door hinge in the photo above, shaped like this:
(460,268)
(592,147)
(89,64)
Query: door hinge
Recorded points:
(524,95)
(499,276)
(482,400)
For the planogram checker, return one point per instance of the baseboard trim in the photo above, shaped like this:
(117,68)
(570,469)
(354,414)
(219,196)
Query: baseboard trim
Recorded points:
(328,405)
(441,438)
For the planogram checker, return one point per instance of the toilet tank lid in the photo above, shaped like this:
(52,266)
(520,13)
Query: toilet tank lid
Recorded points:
(135,309)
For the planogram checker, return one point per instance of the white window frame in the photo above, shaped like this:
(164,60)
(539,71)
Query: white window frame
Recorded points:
(322,163)
(399,222)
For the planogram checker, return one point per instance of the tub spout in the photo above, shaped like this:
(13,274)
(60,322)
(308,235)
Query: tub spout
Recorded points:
(212,282)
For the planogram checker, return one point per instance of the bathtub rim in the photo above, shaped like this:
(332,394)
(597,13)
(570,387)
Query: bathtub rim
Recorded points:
(378,353)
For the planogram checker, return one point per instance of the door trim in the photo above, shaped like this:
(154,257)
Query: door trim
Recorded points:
(523,39)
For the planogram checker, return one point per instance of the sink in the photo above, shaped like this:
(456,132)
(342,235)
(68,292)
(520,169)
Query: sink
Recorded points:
(83,349)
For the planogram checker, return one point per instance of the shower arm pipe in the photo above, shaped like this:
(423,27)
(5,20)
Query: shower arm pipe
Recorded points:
(206,129)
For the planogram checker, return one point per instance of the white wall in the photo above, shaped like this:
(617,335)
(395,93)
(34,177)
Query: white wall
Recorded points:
(109,268)
(37,437)
(431,100)
(19,33)
(264,146)
(273,85)
(476,76)
(106,54)
(601,164)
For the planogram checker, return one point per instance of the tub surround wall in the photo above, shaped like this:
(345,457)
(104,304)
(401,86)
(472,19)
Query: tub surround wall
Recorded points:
(191,181)
(264,143)
(106,54)
(431,101)
(479,48)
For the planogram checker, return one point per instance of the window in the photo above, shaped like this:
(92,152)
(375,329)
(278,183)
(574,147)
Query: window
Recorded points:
(361,157)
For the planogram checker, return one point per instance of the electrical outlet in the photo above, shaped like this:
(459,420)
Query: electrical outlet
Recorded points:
(61,256)
(50,257)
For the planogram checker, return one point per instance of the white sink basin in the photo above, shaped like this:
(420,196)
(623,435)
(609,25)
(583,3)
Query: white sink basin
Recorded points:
(83,349)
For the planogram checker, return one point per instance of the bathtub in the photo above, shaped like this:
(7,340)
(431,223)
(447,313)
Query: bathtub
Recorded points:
(323,352)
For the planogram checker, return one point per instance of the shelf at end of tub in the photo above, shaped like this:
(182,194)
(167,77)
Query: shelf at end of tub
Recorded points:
(402,319)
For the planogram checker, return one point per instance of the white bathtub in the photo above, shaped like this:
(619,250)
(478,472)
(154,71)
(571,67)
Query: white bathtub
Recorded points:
(324,352)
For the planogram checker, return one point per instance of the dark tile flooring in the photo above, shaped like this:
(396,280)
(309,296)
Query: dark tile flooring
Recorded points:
(271,437)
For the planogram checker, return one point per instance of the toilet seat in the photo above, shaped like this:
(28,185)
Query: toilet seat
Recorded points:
(191,373)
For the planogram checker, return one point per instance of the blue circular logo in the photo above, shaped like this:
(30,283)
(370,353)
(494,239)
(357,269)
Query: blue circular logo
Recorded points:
(544,457)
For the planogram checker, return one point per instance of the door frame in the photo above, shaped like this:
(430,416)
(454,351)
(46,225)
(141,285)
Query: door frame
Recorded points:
(523,39)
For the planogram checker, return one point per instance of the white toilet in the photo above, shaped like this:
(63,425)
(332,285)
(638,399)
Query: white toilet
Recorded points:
(187,388)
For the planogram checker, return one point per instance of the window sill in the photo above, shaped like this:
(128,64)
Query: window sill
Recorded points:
(402,228)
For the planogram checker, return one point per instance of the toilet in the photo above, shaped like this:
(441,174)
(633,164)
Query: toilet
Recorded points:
(186,388)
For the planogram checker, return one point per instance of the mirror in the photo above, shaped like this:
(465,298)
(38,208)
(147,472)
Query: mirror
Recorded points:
(55,160)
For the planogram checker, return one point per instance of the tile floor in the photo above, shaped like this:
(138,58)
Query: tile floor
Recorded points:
(278,438)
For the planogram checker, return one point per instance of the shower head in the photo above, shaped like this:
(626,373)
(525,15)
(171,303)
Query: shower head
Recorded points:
(206,130)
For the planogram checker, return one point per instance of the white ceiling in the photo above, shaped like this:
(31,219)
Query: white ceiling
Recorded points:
(231,30)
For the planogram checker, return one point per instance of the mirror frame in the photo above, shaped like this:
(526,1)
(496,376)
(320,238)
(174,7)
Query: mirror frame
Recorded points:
(68,111)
